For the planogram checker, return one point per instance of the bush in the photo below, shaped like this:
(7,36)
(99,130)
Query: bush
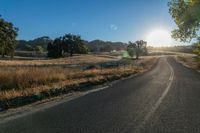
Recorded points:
(39,49)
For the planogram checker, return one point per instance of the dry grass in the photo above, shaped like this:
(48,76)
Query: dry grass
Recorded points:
(189,61)
(26,81)
(21,78)
(75,60)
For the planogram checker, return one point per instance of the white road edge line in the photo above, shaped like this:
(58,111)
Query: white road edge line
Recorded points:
(48,105)
(157,104)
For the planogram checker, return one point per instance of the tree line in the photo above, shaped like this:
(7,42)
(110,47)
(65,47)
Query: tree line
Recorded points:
(38,44)
(93,46)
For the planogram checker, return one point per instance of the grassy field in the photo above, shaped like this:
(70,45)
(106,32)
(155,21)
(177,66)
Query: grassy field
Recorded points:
(75,60)
(28,78)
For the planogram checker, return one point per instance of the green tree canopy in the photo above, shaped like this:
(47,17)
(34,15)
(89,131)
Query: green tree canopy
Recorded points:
(186,14)
(28,47)
(131,49)
(8,34)
(68,44)
(39,49)
(137,48)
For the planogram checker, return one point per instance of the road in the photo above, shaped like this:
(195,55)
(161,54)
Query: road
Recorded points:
(163,100)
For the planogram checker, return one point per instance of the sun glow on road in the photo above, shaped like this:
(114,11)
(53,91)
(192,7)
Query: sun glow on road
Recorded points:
(159,37)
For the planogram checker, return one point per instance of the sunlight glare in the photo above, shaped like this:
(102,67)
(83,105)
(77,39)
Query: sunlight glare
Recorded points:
(159,38)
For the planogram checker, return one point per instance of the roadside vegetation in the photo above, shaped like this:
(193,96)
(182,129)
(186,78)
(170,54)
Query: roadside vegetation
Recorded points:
(21,85)
(189,61)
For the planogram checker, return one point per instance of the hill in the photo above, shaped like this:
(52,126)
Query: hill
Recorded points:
(93,46)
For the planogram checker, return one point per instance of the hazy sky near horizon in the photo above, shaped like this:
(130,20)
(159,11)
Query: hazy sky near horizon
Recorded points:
(111,20)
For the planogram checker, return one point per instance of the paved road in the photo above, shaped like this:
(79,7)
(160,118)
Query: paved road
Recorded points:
(163,100)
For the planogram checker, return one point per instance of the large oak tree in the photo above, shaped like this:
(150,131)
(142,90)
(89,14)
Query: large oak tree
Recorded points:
(137,48)
(68,44)
(8,34)
(186,14)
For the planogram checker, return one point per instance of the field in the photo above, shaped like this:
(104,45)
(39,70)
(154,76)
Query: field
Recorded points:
(75,60)
(38,79)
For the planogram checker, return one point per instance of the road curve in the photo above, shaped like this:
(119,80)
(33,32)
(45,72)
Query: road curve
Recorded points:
(163,100)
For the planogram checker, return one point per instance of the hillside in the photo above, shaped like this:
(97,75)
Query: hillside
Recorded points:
(93,46)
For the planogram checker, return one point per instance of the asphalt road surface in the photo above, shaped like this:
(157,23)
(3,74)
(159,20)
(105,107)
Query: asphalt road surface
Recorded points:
(163,100)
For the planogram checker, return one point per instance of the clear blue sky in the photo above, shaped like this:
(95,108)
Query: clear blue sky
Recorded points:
(114,20)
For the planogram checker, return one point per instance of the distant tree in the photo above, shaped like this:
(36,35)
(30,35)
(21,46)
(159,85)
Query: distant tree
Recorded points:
(39,49)
(50,49)
(186,16)
(139,47)
(70,44)
(28,47)
(105,46)
(74,44)
(55,49)
(40,41)
(8,34)
(131,49)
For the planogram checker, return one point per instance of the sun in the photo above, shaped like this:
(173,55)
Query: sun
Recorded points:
(159,38)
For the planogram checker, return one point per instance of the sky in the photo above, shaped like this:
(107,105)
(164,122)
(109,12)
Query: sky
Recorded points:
(110,20)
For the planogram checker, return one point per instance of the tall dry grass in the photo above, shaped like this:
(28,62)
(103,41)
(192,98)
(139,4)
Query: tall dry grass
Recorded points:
(21,78)
(26,81)
(75,60)
(189,61)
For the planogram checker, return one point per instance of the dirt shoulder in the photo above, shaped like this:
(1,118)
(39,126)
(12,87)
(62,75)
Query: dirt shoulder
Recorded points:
(189,61)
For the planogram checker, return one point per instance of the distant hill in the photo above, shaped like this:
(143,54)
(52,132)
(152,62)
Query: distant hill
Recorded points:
(23,45)
(104,46)
(93,46)
(183,49)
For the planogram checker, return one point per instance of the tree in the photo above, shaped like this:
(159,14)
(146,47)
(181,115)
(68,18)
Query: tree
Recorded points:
(139,47)
(8,34)
(50,49)
(186,16)
(74,44)
(39,49)
(28,47)
(55,49)
(131,50)
(68,44)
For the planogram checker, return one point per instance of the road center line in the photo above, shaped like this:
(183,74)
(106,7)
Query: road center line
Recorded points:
(157,104)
